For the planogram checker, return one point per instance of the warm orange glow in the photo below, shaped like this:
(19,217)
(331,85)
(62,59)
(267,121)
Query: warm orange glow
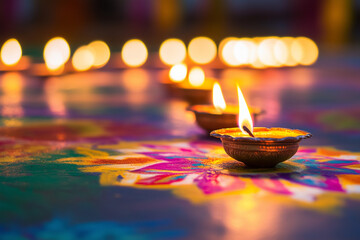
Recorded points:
(56,53)
(83,59)
(218,98)
(134,53)
(304,51)
(11,52)
(172,51)
(245,51)
(196,76)
(178,72)
(101,53)
(202,50)
(244,113)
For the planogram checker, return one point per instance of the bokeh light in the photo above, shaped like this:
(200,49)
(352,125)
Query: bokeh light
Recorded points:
(202,50)
(101,53)
(178,72)
(134,53)
(11,52)
(288,41)
(56,53)
(172,51)
(136,80)
(245,51)
(266,52)
(228,52)
(83,59)
(196,76)
(304,50)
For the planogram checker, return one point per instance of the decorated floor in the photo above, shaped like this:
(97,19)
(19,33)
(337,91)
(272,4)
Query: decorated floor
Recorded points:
(108,154)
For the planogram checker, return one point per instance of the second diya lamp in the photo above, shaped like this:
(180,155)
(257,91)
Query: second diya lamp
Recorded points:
(219,115)
(258,147)
(210,118)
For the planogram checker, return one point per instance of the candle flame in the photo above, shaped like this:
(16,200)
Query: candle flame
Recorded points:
(11,52)
(244,119)
(196,77)
(218,98)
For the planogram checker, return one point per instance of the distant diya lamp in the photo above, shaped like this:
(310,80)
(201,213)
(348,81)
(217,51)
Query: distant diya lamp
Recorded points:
(219,115)
(258,147)
(170,79)
(11,57)
(197,90)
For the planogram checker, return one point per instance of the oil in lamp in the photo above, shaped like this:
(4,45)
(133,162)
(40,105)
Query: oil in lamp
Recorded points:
(258,147)
(219,115)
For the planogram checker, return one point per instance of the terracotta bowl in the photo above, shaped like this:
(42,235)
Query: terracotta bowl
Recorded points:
(209,119)
(269,147)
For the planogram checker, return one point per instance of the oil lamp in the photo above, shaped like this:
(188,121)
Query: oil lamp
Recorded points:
(11,57)
(218,115)
(258,147)
(197,90)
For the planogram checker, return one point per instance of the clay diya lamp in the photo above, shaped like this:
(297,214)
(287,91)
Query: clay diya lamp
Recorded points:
(210,118)
(219,115)
(197,89)
(268,147)
(258,147)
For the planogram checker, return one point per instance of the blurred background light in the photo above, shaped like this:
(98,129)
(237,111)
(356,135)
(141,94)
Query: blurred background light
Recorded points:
(202,50)
(304,50)
(83,59)
(266,52)
(228,53)
(172,51)
(196,76)
(11,52)
(101,52)
(56,53)
(134,53)
(178,72)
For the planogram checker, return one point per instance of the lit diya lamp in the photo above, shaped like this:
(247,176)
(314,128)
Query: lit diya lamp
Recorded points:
(219,115)
(197,90)
(56,54)
(11,57)
(258,147)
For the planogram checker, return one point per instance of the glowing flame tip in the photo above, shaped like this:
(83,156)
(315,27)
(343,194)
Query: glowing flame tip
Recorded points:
(244,121)
(218,98)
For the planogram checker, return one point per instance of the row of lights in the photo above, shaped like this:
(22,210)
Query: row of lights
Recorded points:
(253,52)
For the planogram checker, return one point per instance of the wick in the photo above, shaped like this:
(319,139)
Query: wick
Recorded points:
(248,131)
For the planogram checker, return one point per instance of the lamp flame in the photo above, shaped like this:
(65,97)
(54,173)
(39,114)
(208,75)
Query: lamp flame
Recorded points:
(218,98)
(244,121)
